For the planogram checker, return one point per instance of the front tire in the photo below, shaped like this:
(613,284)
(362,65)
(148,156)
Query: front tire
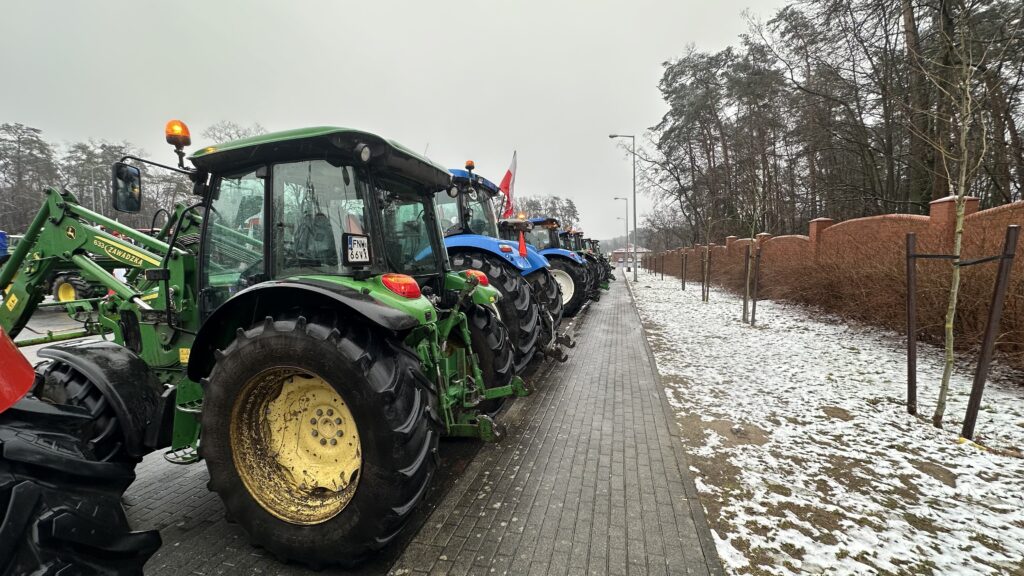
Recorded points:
(574,285)
(517,307)
(69,287)
(269,437)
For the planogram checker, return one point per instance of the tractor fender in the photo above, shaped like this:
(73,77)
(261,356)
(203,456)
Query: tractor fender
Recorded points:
(277,296)
(123,378)
(563,253)
(536,259)
(477,243)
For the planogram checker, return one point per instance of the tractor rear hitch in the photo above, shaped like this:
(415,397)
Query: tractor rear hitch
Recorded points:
(566,339)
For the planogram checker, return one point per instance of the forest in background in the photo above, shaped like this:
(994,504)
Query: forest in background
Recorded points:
(839,109)
(29,164)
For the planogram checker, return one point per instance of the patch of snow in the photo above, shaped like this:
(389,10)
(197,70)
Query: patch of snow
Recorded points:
(805,457)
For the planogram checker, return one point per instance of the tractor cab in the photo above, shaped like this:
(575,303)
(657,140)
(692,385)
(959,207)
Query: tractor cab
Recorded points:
(313,204)
(474,239)
(543,233)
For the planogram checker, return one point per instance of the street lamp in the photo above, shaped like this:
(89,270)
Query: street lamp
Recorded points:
(632,150)
(626,220)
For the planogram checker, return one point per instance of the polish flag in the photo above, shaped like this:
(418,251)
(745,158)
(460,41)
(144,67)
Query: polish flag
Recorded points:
(508,184)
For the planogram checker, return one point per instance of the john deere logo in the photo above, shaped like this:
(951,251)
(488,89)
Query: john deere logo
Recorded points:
(71,232)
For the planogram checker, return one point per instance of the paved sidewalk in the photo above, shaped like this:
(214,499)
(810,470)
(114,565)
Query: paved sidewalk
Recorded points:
(591,479)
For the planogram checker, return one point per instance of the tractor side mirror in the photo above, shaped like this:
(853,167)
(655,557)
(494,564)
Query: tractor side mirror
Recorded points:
(127,188)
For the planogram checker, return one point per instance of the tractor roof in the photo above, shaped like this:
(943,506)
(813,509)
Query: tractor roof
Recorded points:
(459,175)
(545,222)
(321,142)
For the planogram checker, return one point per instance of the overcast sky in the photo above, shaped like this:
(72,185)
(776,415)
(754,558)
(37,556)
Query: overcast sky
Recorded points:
(459,79)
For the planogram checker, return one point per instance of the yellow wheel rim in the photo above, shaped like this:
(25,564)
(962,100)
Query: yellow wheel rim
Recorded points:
(295,445)
(66,292)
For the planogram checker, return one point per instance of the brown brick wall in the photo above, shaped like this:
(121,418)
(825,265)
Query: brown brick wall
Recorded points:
(857,268)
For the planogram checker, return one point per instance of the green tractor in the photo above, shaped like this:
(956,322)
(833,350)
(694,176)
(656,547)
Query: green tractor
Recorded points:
(298,327)
(608,271)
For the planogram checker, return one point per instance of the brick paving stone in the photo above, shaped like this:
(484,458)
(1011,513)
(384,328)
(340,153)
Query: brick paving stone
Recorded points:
(590,479)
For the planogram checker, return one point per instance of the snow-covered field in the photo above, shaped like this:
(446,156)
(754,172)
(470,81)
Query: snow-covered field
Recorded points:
(805,458)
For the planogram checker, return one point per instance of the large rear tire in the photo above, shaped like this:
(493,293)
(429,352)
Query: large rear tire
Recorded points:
(573,278)
(61,485)
(493,350)
(517,307)
(276,401)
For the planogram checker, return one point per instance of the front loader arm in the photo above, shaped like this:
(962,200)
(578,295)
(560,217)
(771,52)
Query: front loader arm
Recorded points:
(65,235)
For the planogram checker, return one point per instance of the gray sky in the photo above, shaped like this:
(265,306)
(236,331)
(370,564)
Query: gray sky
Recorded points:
(471,80)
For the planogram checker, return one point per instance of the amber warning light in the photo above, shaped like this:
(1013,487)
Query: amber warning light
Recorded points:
(177,134)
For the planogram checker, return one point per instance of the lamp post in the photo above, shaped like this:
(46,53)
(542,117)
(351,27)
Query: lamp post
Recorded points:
(632,150)
(626,220)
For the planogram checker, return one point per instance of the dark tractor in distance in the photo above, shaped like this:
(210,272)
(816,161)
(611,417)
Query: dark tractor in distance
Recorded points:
(568,267)
(311,347)
(608,271)
(531,305)
(573,240)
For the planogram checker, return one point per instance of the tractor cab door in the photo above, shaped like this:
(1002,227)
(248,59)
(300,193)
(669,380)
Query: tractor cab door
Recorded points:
(233,255)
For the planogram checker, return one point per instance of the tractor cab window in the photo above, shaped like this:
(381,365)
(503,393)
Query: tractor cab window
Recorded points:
(410,233)
(233,249)
(315,202)
(540,238)
(448,214)
(481,218)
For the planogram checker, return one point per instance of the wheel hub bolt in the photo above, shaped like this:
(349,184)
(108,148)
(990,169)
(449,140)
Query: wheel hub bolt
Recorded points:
(315,433)
(337,421)
(339,433)
(319,412)
(334,442)
(323,441)
(330,412)
(312,421)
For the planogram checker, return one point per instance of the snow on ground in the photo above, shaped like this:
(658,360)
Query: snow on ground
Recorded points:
(805,458)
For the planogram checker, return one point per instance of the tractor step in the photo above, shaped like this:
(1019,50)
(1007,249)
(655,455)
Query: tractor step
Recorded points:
(191,407)
(186,455)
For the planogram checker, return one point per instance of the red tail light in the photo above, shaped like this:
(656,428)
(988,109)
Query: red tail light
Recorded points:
(480,276)
(401,284)
(522,244)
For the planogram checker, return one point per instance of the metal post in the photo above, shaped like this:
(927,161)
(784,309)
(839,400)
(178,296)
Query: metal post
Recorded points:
(746,280)
(757,275)
(682,270)
(911,324)
(662,265)
(633,150)
(703,276)
(707,289)
(995,314)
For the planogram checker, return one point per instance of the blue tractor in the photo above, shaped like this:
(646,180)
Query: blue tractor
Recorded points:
(569,268)
(531,305)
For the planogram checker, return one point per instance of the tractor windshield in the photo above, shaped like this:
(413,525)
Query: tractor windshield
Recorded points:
(482,219)
(478,215)
(411,236)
